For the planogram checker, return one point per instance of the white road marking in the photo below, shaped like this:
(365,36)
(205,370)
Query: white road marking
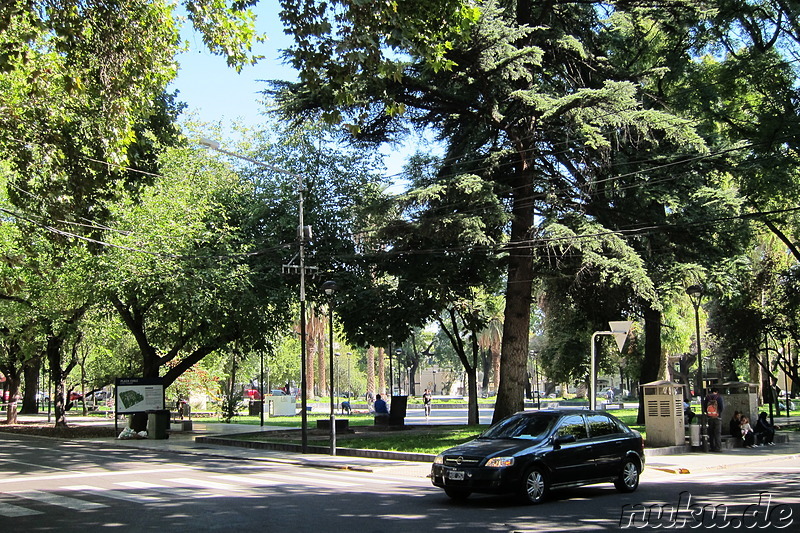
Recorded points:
(57,499)
(170,491)
(11,511)
(248,480)
(298,479)
(113,494)
(204,484)
(53,477)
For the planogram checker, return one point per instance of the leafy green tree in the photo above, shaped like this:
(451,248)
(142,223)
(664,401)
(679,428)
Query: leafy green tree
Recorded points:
(192,270)
(532,96)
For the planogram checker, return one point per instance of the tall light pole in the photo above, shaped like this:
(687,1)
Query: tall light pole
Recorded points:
(398,352)
(303,233)
(695,293)
(391,383)
(261,383)
(330,288)
(349,383)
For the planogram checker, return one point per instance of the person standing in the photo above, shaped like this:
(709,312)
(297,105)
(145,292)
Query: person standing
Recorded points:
(426,401)
(713,407)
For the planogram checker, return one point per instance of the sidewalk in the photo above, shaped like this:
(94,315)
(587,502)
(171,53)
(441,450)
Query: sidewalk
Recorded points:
(186,443)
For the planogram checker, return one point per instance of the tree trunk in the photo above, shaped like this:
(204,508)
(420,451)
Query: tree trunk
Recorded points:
(381,371)
(31,372)
(371,369)
(652,363)
(517,316)
(486,363)
(12,381)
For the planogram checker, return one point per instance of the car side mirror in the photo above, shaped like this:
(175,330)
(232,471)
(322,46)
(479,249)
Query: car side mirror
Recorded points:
(558,440)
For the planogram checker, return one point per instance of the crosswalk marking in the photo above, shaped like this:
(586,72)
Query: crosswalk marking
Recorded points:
(11,511)
(57,499)
(248,480)
(205,484)
(297,479)
(171,491)
(113,494)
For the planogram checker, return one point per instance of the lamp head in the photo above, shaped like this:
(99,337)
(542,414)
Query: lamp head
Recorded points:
(695,291)
(329,287)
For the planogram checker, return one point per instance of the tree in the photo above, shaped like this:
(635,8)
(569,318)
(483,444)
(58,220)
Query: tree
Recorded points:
(191,270)
(532,96)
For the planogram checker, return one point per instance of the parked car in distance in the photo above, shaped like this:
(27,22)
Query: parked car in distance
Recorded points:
(75,396)
(277,392)
(251,394)
(98,395)
(531,453)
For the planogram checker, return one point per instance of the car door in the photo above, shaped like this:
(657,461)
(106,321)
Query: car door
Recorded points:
(571,462)
(608,444)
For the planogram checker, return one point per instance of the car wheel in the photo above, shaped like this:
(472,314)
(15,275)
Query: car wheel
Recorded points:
(457,494)
(535,486)
(628,477)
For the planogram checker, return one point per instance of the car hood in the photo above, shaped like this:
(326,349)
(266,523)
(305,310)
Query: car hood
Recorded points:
(492,447)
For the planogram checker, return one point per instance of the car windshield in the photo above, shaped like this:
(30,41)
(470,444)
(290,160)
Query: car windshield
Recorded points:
(521,427)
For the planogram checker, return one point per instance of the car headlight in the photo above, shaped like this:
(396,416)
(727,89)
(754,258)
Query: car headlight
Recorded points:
(499,462)
(438,460)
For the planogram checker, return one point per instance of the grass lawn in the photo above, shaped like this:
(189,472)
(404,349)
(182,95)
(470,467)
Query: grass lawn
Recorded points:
(416,439)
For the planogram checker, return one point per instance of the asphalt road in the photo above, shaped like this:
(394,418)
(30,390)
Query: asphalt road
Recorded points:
(48,485)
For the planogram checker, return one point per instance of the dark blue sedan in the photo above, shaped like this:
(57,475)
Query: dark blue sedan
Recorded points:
(530,453)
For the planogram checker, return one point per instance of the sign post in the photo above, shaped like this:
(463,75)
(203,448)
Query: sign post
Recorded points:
(137,395)
(619,330)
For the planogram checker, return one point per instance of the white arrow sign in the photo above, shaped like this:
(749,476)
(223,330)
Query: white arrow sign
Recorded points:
(620,331)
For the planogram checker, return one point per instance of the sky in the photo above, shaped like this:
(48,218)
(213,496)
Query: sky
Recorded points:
(216,93)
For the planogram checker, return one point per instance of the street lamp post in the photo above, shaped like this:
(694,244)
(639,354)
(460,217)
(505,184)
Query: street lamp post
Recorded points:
(398,352)
(349,383)
(391,377)
(330,288)
(303,233)
(695,293)
(337,366)
(536,391)
(261,383)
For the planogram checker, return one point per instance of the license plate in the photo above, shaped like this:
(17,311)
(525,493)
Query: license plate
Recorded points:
(455,475)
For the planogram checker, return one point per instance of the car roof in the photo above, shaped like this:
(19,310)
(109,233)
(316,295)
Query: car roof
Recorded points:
(561,411)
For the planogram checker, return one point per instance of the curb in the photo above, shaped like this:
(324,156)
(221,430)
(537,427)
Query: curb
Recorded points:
(322,450)
(762,459)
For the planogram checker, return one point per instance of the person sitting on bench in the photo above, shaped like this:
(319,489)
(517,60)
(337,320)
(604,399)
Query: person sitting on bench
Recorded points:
(381,409)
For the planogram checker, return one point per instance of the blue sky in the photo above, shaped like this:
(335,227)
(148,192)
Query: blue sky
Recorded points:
(216,93)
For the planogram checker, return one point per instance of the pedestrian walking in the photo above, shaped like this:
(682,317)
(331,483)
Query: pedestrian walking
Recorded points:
(713,407)
(426,401)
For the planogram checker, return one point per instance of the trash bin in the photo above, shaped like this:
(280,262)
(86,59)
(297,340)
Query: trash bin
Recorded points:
(137,421)
(158,424)
(397,410)
(254,409)
(694,435)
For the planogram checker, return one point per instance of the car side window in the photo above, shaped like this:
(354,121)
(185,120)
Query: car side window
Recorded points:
(572,425)
(600,425)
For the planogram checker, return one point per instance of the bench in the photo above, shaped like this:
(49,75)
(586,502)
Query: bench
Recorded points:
(342,424)
(607,406)
(390,420)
